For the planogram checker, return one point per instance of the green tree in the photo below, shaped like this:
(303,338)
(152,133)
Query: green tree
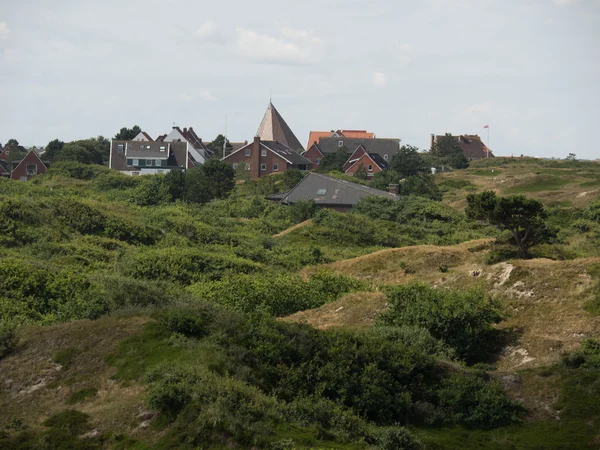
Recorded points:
(334,161)
(448,150)
(53,149)
(127,134)
(523,217)
(216,146)
(422,185)
(408,162)
(290,179)
(175,184)
(382,180)
(361,173)
(220,177)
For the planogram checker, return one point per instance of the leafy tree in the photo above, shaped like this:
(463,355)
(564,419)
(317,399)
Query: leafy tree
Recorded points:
(382,180)
(13,144)
(361,173)
(422,185)
(80,152)
(175,184)
(523,217)
(216,146)
(334,161)
(127,134)
(214,179)
(291,178)
(571,157)
(408,162)
(53,149)
(446,145)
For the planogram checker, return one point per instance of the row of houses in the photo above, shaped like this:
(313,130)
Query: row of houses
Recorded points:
(274,149)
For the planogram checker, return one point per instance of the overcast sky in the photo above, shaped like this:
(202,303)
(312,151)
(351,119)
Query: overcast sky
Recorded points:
(530,69)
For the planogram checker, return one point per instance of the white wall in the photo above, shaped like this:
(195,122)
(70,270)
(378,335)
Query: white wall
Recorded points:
(175,135)
(140,137)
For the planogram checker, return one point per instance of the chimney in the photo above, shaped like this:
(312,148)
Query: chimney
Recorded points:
(432,141)
(394,189)
(255,159)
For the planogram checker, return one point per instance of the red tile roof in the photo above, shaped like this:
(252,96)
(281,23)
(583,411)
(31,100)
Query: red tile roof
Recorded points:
(315,136)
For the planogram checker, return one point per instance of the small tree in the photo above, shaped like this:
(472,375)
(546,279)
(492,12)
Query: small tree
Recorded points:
(382,180)
(334,161)
(523,217)
(422,185)
(220,177)
(361,173)
(53,149)
(290,179)
(572,157)
(175,184)
(408,162)
(127,134)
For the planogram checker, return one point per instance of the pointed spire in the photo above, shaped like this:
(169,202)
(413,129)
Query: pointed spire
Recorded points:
(274,128)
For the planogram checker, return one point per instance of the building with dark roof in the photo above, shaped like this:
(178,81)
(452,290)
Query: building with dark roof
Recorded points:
(263,157)
(314,137)
(329,192)
(385,147)
(471,145)
(148,157)
(274,128)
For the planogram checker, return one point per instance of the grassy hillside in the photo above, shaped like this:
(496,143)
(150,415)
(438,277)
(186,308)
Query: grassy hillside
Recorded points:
(132,322)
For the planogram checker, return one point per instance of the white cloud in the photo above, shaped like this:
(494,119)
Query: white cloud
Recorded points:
(209,32)
(379,79)
(4,31)
(565,2)
(295,47)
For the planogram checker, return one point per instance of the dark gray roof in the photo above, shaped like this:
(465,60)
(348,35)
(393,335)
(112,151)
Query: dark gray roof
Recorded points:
(175,152)
(4,170)
(285,152)
(380,146)
(325,190)
(274,128)
(379,160)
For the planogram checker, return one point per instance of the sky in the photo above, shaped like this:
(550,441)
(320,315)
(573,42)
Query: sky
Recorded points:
(530,69)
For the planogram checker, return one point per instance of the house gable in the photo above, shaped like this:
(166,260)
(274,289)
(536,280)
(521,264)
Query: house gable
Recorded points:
(313,154)
(360,150)
(30,166)
(368,162)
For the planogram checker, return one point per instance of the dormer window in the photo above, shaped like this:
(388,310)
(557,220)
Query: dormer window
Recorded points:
(141,146)
(340,143)
(322,192)
(385,157)
(120,147)
(147,147)
(162,148)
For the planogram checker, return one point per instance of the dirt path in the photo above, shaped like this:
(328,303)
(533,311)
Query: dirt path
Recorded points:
(295,227)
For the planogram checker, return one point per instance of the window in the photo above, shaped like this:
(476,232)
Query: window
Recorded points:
(322,192)
(263,152)
(235,166)
(136,162)
(370,168)
(142,147)
(275,167)
(120,147)
(318,162)
(31,169)
(385,157)
(263,166)
(248,150)
(130,162)
(162,148)
(247,166)
(147,147)
(149,162)
(341,144)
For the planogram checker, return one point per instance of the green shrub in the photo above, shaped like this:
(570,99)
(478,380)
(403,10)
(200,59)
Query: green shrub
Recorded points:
(587,356)
(592,212)
(78,216)
(151,191)
(415,337)
(478,403)
(461,319)
(397,438)
(186,322)
(8,338)
(76,170)
(114,180)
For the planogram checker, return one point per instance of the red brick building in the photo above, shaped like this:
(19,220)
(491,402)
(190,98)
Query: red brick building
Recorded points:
(314,154)
(28,167)
(262,158)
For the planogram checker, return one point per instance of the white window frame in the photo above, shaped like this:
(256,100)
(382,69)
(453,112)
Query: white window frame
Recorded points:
(318,162)
(385,157)
(263,152)
(275,167)
(340,143)
(162,148)
(120,147)
(263,166)
(136,162)
(27,169)
(149,162)
(321,191)
(248,152)
(370,168)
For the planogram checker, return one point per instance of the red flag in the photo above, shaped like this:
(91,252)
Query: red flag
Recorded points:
(487,126)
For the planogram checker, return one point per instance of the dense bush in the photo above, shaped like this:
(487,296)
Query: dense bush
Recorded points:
(78,216)
(73,169)
(397,438)
(8,338)
(592,212)
(587,356)
(460,319)
(279,294)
